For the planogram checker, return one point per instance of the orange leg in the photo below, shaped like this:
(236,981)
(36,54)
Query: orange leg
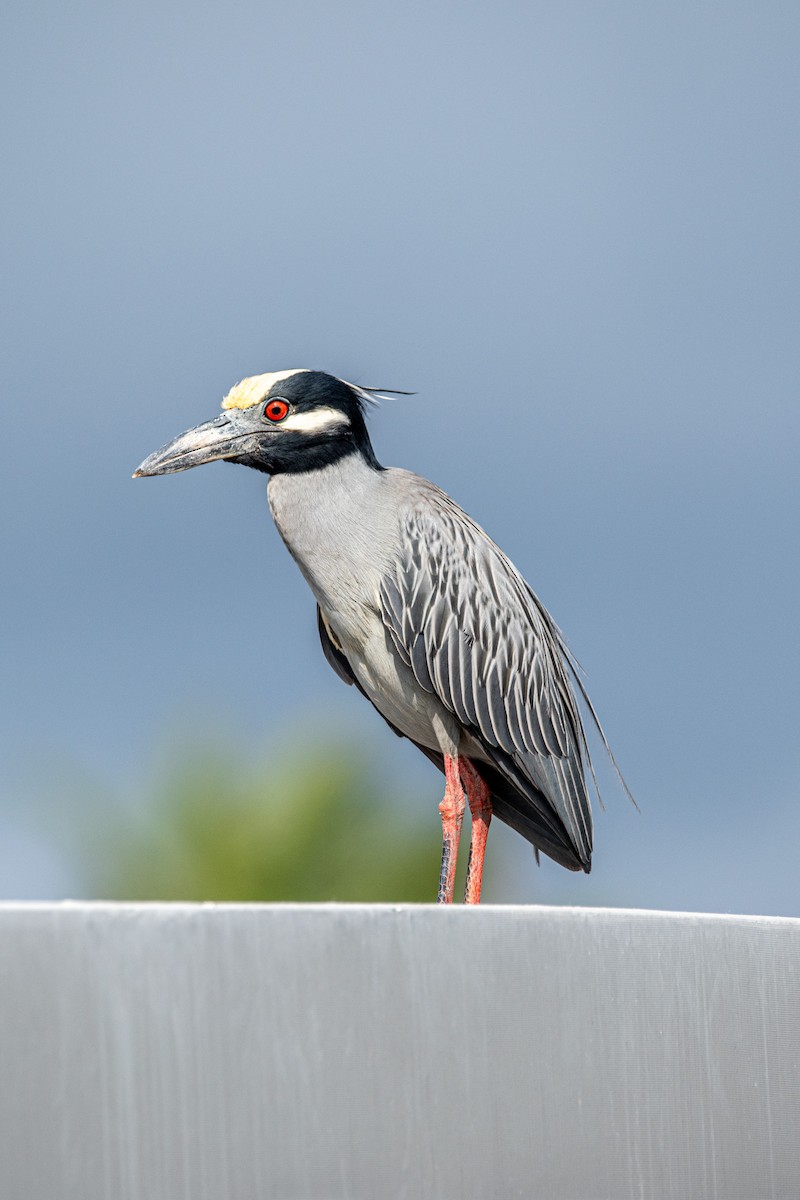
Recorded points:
(480,806)
(452,810)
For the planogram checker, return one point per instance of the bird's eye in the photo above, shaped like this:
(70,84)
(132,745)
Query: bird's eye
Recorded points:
(276,410)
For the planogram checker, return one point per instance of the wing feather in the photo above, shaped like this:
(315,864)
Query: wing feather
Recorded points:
(476,636)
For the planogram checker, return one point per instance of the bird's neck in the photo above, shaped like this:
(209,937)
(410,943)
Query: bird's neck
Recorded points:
(339,524)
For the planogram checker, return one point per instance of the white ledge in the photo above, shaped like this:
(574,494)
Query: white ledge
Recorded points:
(242,1052)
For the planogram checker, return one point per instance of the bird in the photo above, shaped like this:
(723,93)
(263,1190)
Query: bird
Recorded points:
(418,609)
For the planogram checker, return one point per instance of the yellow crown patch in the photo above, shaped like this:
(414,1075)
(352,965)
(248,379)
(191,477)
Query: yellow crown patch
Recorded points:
(253,389)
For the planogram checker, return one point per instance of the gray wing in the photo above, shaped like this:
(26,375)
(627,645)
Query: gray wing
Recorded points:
(475,635)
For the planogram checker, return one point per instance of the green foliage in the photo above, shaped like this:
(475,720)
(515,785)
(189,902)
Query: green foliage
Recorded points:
(302,828)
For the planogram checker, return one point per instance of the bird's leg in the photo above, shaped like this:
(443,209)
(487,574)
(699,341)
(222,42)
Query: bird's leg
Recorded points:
(480,806)
(452,810)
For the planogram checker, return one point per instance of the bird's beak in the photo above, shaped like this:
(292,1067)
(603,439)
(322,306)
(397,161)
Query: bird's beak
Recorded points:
(227,436)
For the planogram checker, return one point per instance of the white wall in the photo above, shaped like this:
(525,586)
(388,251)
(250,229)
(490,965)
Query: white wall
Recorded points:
(242,1053)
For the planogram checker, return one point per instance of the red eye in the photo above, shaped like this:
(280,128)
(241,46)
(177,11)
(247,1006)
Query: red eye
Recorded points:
(276,410)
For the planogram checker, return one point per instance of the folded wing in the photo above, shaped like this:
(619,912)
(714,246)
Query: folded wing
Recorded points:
(475,635)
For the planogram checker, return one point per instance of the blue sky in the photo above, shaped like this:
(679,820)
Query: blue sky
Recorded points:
(571,229)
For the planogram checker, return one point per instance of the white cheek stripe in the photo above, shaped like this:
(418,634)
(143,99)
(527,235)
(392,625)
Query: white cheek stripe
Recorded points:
(315,421)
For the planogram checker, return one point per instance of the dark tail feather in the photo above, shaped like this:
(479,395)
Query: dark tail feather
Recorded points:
(515,810)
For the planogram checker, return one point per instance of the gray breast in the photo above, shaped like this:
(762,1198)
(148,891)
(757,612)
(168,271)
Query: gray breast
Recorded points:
(344,527)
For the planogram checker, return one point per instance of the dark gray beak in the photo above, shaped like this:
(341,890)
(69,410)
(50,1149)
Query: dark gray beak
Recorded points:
(230,435)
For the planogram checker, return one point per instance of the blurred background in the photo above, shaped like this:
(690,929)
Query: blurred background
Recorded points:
(572,230)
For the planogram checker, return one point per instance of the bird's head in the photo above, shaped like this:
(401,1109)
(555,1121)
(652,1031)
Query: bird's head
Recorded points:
(298,420)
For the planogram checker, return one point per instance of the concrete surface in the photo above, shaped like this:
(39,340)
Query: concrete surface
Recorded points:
(168,1052)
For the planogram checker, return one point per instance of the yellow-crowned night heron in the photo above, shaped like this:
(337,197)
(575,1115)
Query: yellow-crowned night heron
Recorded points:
(419,609)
